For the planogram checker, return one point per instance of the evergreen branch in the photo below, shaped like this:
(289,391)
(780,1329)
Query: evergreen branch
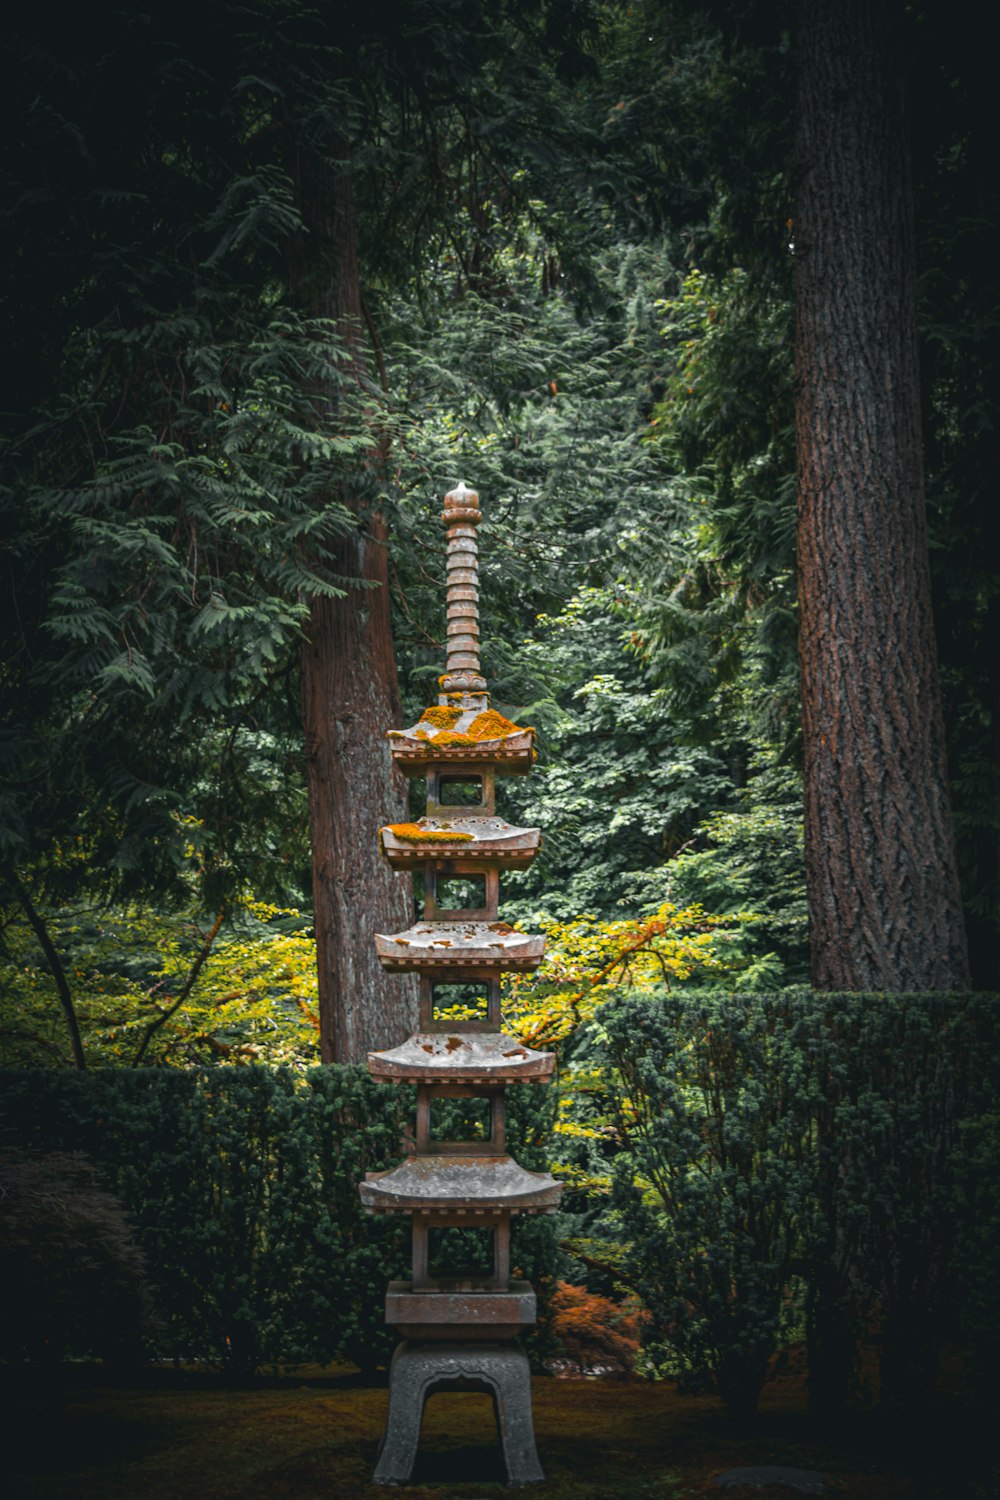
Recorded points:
(376,343)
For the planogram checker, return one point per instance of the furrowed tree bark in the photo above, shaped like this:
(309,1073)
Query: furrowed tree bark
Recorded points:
(350,693)
(884,901)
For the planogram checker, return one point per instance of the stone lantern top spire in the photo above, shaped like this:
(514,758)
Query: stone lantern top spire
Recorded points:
(461,727)
(461,517)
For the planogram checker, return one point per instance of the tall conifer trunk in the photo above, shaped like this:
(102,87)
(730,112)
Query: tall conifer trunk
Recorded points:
(884,900)
(350,692)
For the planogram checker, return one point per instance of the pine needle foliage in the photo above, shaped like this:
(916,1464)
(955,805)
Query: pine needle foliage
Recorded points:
(172,499)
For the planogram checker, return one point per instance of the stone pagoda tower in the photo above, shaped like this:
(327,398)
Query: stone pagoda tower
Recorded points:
(459,1331)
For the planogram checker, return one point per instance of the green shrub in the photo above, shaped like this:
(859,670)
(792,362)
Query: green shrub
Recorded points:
(715,1181)
(242,1185)
(974,1205)
(790,1157)
(898,1075)
(72,1279)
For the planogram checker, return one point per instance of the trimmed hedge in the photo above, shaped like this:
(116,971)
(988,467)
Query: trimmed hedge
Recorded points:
(820,1158)
(242,1186)
(786,1164)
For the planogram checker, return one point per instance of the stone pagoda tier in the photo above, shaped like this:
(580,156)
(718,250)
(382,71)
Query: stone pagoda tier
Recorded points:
(459,1330)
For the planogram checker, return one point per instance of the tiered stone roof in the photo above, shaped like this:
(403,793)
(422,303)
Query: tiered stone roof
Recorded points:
(461,737)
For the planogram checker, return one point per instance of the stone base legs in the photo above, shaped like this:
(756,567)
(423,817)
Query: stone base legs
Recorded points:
(418,1370)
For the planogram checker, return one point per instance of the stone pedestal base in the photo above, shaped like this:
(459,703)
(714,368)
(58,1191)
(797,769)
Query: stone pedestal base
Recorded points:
(419,1369)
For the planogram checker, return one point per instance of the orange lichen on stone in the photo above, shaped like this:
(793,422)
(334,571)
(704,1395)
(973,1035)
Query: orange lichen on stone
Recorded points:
(440,717)
(492,726)
(434,728)
(485,726)
(412,833)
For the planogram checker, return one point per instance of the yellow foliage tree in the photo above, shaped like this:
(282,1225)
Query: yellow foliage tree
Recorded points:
(587,960)
(157,988)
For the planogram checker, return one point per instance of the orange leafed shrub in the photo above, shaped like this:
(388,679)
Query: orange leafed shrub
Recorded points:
(596,1334)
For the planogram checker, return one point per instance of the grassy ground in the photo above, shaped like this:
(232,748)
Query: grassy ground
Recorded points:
(313,1435)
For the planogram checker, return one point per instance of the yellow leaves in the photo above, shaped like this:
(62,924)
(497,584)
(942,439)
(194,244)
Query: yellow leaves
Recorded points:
(580,1180)
(455,1014)
(266,911)
(253,1000)
(577,1131)
(586,960)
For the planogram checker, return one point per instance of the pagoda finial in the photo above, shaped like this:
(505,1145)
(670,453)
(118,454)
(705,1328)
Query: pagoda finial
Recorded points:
(461,517)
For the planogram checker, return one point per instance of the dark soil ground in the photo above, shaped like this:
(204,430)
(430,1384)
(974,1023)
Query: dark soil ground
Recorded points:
(312,1435)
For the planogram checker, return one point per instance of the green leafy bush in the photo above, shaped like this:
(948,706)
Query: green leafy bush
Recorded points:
(72,1279)
(789,1160)
(974,1204)
(715,1182)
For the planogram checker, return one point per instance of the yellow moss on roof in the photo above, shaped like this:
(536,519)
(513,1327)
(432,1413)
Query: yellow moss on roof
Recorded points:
(440,717)
(488,725)
(412,833)
(485,726)
(493,726)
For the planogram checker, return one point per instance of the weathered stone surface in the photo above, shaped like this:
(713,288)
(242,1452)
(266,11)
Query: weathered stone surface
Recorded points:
(465,1315)
(486,1184)
(514,752)
(417,1371)
(437,945)
(461,1057)
(478,838)
(459,1328)
(762,1476)
(461,517)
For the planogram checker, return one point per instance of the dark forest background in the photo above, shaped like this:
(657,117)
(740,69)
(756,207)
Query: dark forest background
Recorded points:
(274,283)
(702,300)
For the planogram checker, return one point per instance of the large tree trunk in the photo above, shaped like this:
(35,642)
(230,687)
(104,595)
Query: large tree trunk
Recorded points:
(349,699)
(884,899)
(350,695)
